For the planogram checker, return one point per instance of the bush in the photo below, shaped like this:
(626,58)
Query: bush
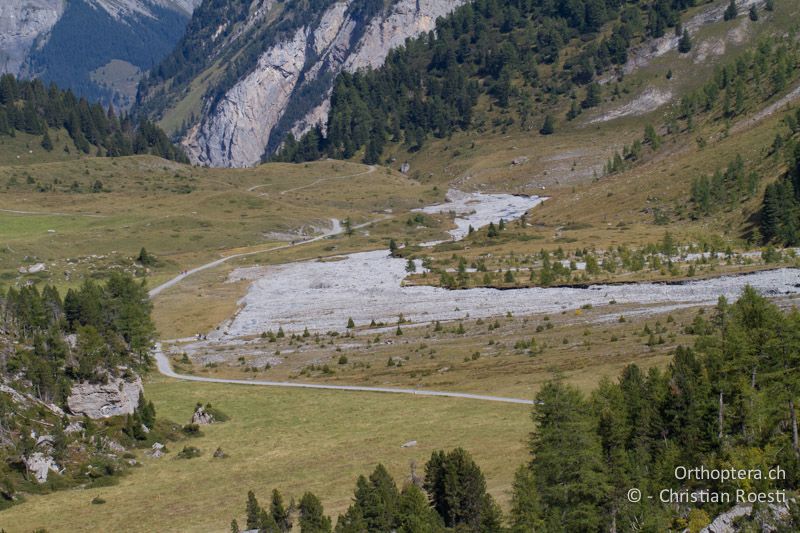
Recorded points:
(192,430)
(188,452)
(97,500)
(218,415)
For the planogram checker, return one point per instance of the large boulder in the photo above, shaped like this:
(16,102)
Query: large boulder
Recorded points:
(98,400)
(201,417)
(40,465)
(157,451)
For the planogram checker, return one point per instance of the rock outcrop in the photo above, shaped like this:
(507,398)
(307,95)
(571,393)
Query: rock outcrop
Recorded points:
(201,417)
(98,400)
(294,77)
(770,516)
(157,451)
(237,132)
(39,465)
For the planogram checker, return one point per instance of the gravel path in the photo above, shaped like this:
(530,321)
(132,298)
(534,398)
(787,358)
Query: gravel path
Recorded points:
(166,369)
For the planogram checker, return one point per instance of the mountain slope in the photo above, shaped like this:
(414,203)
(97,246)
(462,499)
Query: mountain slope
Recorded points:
(249,72)
(279,62)
(49,39)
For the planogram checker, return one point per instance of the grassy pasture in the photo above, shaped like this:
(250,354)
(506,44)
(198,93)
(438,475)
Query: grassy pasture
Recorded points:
(291,440)
(185,216)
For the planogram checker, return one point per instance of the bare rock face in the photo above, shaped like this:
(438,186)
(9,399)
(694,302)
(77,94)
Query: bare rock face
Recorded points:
(97,400)
(770,516)
(157,451)
(406,18)
(237,132)
(247,120)
(40,465)
(201,417)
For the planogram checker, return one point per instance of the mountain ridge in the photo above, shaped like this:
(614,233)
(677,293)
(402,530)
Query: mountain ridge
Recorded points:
(49,39)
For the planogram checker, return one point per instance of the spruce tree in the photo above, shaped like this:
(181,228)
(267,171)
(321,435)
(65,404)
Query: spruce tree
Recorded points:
(457,490)
(253,511)
(415,514)
(267,523)
(685,43)
(312,515)
(593,96)
(567,465)
(47,143)
(280,513)
(753,13)
(731,12)
(376,504)
(549,126)
(526,509)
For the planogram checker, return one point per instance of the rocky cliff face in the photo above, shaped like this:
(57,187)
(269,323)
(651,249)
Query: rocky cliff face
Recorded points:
(97,400)
(236,134)
(289,88)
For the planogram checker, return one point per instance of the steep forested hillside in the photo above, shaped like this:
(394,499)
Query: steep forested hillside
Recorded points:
(88,37)
(780,212)
(522,54)
(31,107)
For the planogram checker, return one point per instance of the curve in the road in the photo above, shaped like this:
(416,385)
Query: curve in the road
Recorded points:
(165,368)
(336,229)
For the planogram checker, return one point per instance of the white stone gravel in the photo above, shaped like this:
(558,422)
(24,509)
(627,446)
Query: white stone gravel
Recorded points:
(367,286)
(479,209)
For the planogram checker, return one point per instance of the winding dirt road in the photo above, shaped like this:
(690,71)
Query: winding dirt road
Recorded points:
(165,368)
(336,228)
